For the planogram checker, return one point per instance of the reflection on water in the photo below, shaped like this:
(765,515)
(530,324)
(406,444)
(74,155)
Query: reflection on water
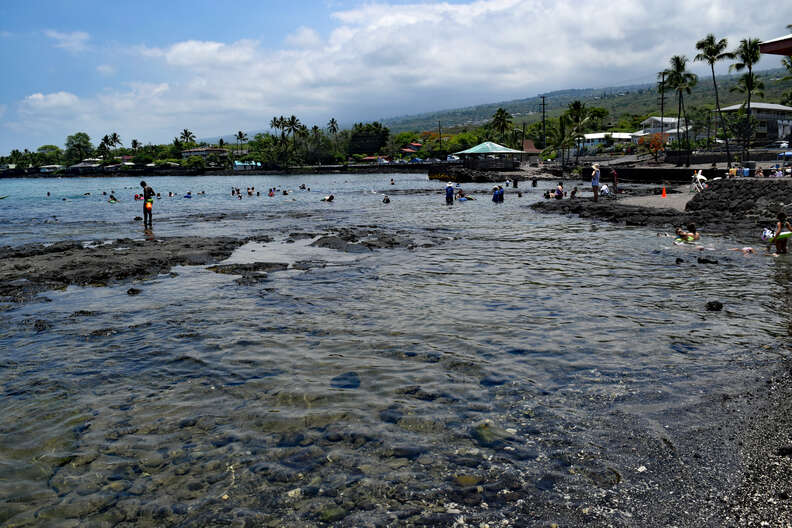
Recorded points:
(470,377)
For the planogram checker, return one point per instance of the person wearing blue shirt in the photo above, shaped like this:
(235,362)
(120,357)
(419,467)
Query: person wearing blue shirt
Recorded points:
(595,176)
(449,193)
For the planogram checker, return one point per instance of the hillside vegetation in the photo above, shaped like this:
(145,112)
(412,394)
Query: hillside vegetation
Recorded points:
(620,101)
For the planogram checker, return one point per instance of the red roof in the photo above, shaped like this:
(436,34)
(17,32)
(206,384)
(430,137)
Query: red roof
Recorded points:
(529,147)
(409,150)
(415,144)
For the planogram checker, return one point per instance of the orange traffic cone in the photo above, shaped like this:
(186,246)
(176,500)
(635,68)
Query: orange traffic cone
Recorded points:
(664,193)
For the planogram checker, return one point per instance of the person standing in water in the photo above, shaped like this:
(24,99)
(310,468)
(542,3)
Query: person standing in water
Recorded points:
(595,176)
(781,226)
(449,193)
(148,204)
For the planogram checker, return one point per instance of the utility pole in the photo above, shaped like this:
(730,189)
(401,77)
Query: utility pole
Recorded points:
(662,110)
(544,130)
(522,145)
(439,134)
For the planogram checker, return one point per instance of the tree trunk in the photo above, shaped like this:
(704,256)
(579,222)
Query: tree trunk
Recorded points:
(687,135)
(720,115)
(679,119)
(750,124)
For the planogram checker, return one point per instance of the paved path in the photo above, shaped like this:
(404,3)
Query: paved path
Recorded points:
(671,201)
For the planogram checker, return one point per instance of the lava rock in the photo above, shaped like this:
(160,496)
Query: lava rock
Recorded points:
(714,306)
(347,380)
(134,291)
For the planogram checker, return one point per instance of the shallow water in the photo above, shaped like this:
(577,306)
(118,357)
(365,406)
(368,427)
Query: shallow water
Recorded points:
(356,393)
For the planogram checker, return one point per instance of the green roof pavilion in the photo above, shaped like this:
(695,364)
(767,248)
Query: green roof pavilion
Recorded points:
(488,147)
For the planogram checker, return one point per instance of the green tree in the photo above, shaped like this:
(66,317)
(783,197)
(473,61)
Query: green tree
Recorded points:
(186,136)
(78,147)
(712,51)
(115,140)
(578,115)
(241,137)
(678,79)
(50,153)
(368,138)
(195,162)
(501,122)
(332,128)
(135,144)
(747,55)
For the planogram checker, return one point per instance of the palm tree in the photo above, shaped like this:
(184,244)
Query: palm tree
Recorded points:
(749,83)
(681,81)
(186,136)
(748,54)
(501,121)
(332,127)
(293,126)
(578,115)
(240,137)
(221,142)
(135,144)
(115,139)
(712,51)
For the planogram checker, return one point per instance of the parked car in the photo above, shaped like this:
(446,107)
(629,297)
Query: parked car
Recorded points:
(451,157)
(416,160)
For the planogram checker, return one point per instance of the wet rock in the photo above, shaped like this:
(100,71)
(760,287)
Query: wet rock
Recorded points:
(134,291)
(467,480)
(391,415)
(291,439)
(251,279)
(680,260)
(493,380)
(546,483)
(489,435)
(714,306)
(248,269)
(785,451)
(409,452)
(332,514)
(331,242)
(309,264)
(347,380)
(605,478)
(706,260)
(40,325)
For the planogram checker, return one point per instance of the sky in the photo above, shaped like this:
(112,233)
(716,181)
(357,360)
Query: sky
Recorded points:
(147,70)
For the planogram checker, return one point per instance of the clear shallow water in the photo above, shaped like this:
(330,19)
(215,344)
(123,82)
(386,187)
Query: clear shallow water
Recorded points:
(356,393)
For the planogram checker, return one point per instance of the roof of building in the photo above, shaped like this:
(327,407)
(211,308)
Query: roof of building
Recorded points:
(488,147)
(777,46)
(759,106)
(671,120)
(205,149)
(614,135)
(529,147)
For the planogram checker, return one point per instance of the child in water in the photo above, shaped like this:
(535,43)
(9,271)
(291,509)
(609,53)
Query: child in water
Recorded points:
(691,235)
(781,225)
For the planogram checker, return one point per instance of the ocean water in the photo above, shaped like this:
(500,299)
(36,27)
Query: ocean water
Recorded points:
(478,375)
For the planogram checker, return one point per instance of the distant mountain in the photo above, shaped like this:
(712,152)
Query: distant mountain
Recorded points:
(634,99)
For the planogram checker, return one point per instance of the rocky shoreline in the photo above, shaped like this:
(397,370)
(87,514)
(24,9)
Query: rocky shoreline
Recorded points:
(737,208)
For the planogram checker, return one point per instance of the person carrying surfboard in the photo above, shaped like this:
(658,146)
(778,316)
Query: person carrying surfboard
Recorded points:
(781,226)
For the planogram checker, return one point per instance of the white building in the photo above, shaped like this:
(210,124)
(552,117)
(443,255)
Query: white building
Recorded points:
(668,126)
(591,141)
(774,121)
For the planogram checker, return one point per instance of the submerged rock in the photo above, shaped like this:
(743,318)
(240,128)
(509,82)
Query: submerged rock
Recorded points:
(714,306)
(489,435)
(347,380)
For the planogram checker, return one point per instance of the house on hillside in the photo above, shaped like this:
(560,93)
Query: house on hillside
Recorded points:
(773,121)
(668,126)
(204,152)
(592,141)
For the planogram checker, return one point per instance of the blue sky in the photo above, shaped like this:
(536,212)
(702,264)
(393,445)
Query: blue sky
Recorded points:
(147,69)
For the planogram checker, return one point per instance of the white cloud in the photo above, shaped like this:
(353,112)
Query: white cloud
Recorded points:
(106,69)
(76,41)
(381,60)
(39,101)
(304,37)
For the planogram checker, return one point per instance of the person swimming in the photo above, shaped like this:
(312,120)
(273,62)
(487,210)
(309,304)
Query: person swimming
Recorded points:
(691,235)
(328,198)
(386,200)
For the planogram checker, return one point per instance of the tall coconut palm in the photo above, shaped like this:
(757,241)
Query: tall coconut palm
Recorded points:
(712,51)
(293,126)
(115,139)
(749,83)
(681,81)
(578,115)
(135,145)
(501,122)
(241,137)
(748,54)
(186,136)
(332,127)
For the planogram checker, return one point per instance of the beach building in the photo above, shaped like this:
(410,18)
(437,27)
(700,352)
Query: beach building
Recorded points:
(490,156)
(592,141)
(204,152)
(45,169)
(773,121)
(778,46)
(531,152)
(86,166)
(669,126)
